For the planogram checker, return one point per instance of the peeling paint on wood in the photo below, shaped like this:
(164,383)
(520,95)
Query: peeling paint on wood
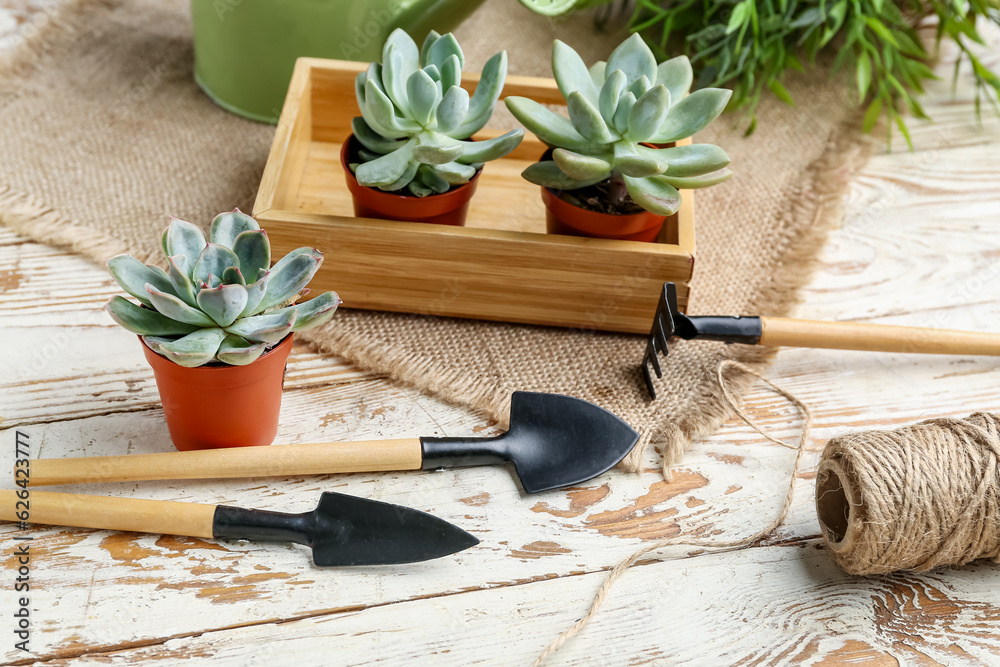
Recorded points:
(10,280)
(917,248)
(125,547)
(477,500)
(579,501)
(639,519)
(538,550)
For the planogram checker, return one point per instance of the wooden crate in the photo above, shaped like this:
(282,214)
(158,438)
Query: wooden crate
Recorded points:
(501,266)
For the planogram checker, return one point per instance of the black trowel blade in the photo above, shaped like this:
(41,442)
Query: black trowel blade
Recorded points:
(556,441)
(357,531)
(553,441)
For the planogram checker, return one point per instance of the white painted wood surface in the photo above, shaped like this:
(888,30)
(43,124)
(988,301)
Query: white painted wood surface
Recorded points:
(920,246)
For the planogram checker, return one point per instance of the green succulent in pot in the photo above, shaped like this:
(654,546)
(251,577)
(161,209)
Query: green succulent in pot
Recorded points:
(621,114)
(219,299)
(416,119)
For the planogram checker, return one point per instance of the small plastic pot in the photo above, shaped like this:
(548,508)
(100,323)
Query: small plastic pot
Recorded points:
(449,208)
(209,407)
(561,217)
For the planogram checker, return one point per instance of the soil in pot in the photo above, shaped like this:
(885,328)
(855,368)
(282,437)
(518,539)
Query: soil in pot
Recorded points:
(215,406)
(448,208)
(562,217)
(588,212)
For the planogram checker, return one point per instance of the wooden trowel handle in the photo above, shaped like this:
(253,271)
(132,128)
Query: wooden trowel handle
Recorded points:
(781,332)
(141,516)
(269,461)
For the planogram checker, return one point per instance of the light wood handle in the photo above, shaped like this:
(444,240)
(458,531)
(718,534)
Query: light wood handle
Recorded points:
(141,516)
(781,332)
(267,461)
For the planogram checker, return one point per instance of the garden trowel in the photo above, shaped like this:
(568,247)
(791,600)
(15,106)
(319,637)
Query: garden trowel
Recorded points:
(553,441)
(342,530)
(783,332)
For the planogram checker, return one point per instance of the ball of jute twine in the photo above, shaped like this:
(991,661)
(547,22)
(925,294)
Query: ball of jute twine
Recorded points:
(913,498)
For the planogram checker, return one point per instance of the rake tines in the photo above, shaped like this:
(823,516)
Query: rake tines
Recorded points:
(663,329)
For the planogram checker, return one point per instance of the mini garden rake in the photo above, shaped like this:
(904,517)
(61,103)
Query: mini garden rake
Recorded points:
(782,332)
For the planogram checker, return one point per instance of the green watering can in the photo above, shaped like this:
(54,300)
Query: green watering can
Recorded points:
(244,50)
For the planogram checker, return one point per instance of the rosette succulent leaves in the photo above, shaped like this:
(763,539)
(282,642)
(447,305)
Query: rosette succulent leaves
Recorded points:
(219,299)
(618,110)
(416,118)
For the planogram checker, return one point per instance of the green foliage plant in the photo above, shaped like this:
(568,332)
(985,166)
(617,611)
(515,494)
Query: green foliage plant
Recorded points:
(416,119)
(749,45)
(619,111)
(219,299)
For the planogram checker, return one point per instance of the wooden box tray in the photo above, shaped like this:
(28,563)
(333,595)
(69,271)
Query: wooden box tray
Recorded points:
(501,266)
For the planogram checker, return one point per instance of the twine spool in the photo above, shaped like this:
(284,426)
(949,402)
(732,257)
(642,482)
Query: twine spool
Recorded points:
(914,498)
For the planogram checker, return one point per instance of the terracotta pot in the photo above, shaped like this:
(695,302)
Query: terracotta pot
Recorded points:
(221,406)
(561,217)
(449,208)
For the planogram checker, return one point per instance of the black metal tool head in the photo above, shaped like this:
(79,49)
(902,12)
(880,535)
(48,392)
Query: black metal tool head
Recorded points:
(663,329)
(553,441)
(670,321)
(356,531)
(345,530)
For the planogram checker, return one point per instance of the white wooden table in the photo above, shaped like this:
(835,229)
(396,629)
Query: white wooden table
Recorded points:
(920,246)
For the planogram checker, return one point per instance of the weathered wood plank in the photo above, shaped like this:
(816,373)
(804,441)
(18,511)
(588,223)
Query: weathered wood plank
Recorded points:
(771,606)
(8,237)
(724,488)
(69,372)
(64,358)
(524,538)
(45,285)
(917,237)
(915,249)
(950,102)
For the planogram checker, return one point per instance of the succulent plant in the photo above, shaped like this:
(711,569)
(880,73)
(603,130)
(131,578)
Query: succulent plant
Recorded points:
(219,299)
(616,110)
(416,118)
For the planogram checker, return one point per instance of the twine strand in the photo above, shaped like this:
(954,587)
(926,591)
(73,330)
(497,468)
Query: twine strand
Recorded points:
(621,567)
(913,498)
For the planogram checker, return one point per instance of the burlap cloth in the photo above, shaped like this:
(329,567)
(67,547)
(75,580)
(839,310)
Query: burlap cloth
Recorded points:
(104,135)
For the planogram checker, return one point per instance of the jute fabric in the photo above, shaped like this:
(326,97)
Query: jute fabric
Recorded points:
(105,134)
